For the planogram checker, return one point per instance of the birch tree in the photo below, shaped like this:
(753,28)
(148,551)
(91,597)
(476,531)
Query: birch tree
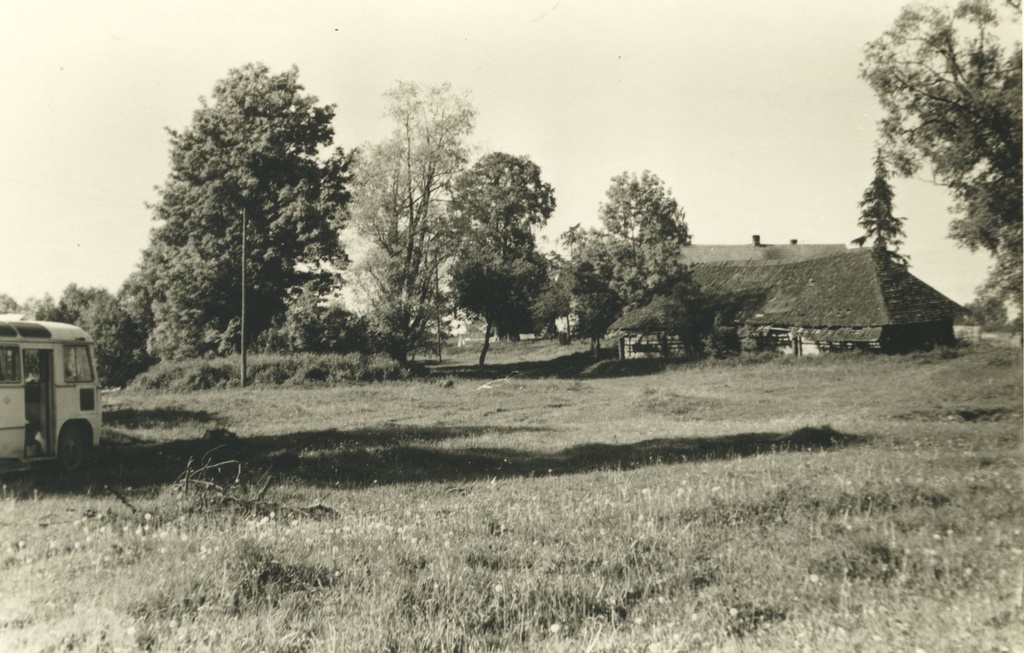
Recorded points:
(400,209)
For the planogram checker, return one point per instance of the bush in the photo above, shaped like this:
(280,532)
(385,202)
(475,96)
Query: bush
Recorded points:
(755,341)
(269,369)
(189,375)
(722,342)
(309,327)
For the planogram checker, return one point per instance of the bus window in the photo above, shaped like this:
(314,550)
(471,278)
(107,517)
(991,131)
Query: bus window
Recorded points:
(77,366)
(10,367)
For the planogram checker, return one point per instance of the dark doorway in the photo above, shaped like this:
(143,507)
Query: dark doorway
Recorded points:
(38,402)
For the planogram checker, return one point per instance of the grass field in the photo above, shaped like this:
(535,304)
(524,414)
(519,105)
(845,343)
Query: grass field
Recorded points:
(840,503)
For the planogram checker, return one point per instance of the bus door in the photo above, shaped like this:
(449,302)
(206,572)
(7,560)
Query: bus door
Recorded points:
(12,403)
(38,431)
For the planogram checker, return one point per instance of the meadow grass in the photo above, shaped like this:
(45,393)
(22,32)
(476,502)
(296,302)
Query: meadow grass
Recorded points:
(546,503)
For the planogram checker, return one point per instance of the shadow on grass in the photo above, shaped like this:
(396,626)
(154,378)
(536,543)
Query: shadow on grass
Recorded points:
(132,418)
(581,365)
(399,454)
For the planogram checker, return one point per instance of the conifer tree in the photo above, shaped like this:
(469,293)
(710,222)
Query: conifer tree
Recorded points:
(877,218)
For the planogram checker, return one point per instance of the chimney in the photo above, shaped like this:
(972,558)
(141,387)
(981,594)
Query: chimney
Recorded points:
(792,241)
(757,240)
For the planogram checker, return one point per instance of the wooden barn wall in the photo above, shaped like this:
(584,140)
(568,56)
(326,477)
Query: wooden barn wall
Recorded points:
(902,338)
(652,345)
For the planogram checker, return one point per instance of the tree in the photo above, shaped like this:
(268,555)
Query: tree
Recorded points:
(499,273)
(8,304)
(876,215)
(554,301)
(400,198)
(951,93)
(647,229)
(312,324)
(988,311)
(596,304)
(252,152)
(43,309)
(636,265)
(120,342)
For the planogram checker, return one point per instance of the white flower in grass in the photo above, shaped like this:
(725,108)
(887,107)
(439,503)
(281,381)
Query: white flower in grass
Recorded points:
(555,628)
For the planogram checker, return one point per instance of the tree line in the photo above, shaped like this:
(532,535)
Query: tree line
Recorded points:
(438,234)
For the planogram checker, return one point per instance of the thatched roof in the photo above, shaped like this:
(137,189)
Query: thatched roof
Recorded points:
(660,314)
(762,253)
(851,288)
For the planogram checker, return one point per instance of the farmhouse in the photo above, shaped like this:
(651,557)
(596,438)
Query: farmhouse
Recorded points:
(806,299)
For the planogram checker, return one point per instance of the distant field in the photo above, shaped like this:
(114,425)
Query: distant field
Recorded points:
(840,503)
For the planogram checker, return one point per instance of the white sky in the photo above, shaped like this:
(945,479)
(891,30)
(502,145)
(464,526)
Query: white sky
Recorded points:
(752,112)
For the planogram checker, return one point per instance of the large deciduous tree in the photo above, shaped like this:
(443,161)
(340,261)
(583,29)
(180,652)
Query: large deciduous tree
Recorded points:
(400,208)
(647,229)
(499,273)
(951,92)
(877,217)
(636,262)
(256,148)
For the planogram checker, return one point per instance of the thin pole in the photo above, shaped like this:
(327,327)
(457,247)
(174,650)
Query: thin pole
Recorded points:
(244,228)
(437,293)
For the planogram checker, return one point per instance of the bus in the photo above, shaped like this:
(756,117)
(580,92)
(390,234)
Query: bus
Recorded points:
(49,393)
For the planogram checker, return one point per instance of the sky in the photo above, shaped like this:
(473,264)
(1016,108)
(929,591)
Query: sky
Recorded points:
(751,112)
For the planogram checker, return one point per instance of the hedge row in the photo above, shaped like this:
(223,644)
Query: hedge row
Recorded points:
(269,369)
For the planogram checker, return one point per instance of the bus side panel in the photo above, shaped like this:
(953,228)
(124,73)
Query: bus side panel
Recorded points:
(12,421)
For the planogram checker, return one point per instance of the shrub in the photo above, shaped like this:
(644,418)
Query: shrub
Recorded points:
(722,342)
(189,375)
(270,369)
(309,327)
(754,340)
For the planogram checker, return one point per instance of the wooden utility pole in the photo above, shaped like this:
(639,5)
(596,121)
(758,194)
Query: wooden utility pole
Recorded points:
(242,347)
(437,294)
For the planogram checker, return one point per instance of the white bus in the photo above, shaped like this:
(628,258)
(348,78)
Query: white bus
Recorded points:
(49,393)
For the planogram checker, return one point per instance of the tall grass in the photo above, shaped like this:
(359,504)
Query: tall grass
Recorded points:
(703,507)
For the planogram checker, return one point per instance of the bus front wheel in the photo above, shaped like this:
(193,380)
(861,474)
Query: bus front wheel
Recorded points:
(71,446)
